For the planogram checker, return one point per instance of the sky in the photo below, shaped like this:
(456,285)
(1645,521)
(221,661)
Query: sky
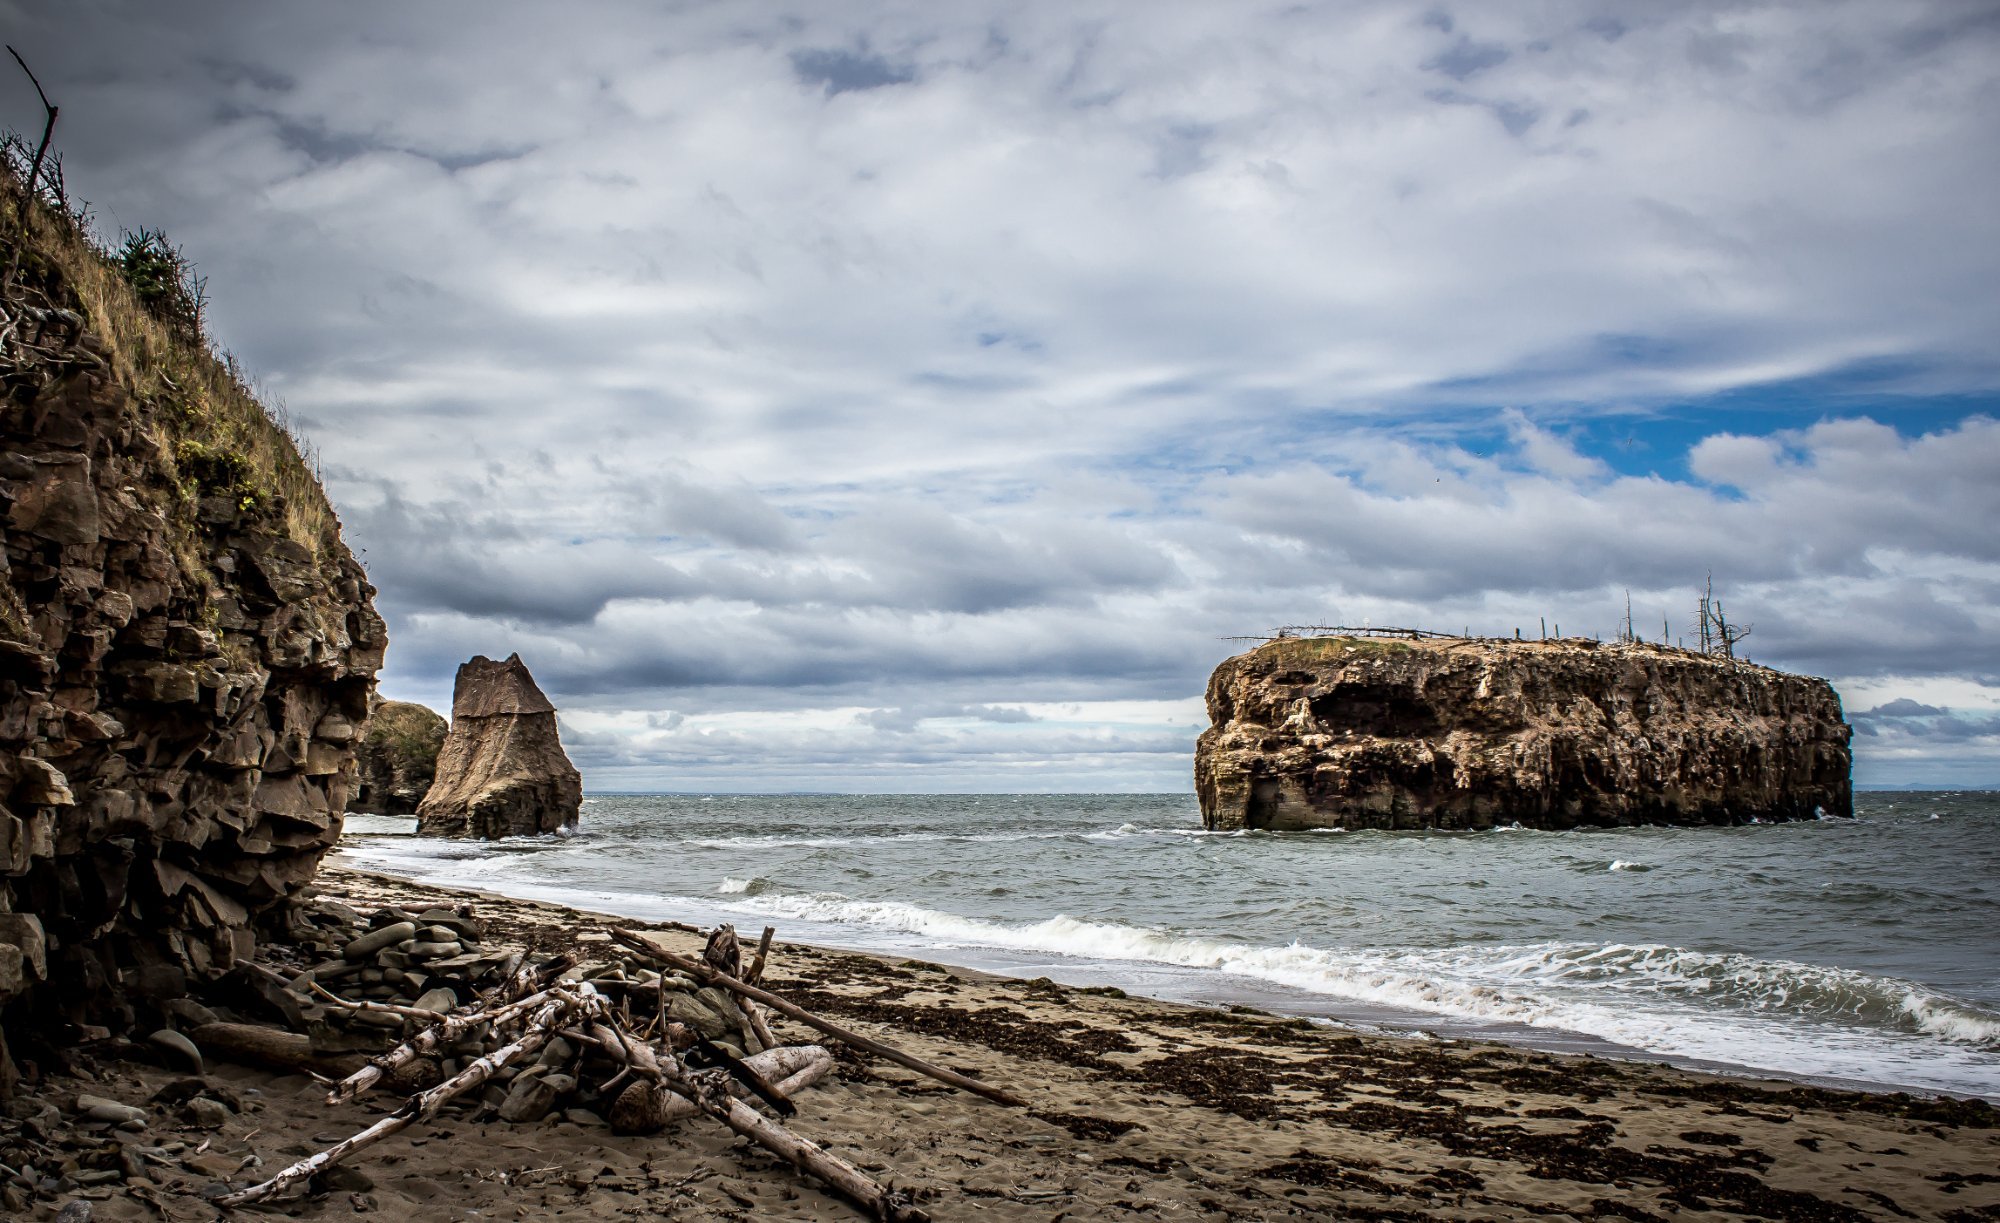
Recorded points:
(918,397)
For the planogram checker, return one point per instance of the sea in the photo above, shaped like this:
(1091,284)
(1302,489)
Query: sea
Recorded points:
(1860,952)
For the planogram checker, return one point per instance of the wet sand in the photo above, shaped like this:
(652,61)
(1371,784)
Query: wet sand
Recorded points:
(1138,1109)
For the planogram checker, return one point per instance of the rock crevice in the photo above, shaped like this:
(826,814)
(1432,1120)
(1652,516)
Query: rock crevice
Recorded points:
(1362,732)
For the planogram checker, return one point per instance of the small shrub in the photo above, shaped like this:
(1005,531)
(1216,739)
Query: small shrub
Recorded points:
(165,282)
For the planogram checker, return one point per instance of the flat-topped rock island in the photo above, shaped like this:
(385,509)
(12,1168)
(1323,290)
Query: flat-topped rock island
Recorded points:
(1456,732)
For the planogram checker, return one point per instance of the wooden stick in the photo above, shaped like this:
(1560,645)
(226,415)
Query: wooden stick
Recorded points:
(418,1108)
(709,1091)
(425,1042)
(41,150)
(380,1008)
(805,1155)
(702,973)
(756,974)
(791,1070)
(758,1025)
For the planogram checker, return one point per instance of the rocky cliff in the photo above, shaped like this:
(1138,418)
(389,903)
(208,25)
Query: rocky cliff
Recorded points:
(502,771)
(397,758)
(1367,732)
(186,649)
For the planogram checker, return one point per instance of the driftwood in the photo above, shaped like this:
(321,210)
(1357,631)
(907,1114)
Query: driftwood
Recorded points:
(272,1048)
(528,1008)
(646,1108)
(722,953)
(756,974)
(708,1091)
(420,1107)
(428,1041)
(708,976)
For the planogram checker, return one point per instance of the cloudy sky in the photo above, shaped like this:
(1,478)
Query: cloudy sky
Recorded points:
(911,396)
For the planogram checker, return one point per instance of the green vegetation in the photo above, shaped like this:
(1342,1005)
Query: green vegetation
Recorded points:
(143,305)
(165,282)
(408,737)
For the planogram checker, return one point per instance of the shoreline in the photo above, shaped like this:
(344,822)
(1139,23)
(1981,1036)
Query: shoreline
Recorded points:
(1143,1108)
(1213,991)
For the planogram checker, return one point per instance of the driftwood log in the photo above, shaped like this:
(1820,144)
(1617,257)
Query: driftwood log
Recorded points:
(428,1041)
(272,1048)
(708,976)
(419,1107)
(708,1091)
(523,1012)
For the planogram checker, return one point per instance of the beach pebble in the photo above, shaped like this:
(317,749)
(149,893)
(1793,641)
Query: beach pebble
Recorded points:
(74,1212)
(376,940)
(179,1048)
(205,1114)
(556,1052)
(439,999)
(429,950)
(530,1099)
(97,1108)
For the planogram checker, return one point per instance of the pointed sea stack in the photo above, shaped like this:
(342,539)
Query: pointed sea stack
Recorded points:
(502,771)
(1374,732)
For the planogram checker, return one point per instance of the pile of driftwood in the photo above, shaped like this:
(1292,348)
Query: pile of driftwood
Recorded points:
(661,1037)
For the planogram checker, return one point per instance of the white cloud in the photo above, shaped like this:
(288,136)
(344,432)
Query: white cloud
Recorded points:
(789,361)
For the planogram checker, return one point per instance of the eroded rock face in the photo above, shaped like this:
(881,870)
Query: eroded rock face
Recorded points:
(181,669)
(397,758)
(1379,733)
(502,771)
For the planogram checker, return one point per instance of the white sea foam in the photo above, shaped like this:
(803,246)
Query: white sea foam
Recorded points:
(1774,1014)
(730,886)
(1620,864)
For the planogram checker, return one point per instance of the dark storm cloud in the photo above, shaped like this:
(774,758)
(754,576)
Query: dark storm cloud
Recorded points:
(849,378)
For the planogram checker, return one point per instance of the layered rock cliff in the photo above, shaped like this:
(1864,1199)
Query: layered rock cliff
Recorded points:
(1366,732)
(397,759)
(502,771)
(186,650)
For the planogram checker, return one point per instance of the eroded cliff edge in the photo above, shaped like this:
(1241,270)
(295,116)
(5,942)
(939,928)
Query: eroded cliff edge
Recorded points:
(187,649)
(1369,732)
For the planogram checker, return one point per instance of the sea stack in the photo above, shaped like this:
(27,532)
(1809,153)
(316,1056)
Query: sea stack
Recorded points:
(502,771)
(1378,732)
(397,758)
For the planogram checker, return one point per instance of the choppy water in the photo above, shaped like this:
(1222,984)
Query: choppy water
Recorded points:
(1863,950)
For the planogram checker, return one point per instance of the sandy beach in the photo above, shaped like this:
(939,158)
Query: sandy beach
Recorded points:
(1138,1109)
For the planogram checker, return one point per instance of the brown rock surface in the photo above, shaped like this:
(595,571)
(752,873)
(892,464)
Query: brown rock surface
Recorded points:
(182,636)
(1368,732)
(502,771)
(397,758)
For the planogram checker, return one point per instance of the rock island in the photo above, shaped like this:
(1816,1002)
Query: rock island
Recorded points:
(1453,732)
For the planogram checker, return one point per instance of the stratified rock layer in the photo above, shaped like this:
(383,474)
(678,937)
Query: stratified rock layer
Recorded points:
(186,650)
(397,758)
(1350,732)
(502,771)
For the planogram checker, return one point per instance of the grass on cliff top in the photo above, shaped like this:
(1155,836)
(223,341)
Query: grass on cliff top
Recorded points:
(214,435)
(1303,651)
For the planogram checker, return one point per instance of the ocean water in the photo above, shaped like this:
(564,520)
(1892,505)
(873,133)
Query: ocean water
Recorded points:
(1853,951)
